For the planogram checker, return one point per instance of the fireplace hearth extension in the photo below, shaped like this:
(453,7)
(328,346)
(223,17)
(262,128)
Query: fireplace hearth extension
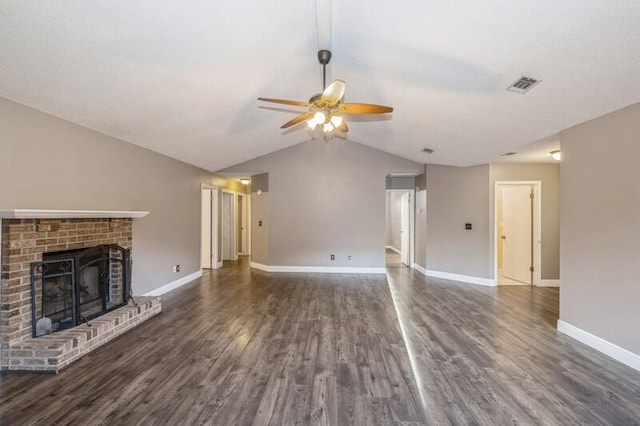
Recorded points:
(29,236)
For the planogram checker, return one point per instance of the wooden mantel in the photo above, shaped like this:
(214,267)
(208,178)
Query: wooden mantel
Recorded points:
(51,214)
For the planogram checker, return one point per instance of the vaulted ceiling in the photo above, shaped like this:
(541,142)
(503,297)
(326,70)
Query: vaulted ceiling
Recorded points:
(182,78)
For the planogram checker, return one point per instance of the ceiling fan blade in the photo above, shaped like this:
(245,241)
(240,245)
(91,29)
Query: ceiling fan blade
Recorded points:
(284,101)
(299,119)
(364,109)
(333,93)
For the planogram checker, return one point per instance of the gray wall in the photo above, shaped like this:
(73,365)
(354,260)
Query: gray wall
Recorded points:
(49,163)
(326,198)
(400,182)
(549,175)
(259,216)
(260,182)
(458,195)
(600,223)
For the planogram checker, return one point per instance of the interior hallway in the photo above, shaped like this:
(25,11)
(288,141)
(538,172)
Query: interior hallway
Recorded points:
(241,346)
(393,259)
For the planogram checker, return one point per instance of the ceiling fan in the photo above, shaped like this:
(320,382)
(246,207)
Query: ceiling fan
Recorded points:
(325,109)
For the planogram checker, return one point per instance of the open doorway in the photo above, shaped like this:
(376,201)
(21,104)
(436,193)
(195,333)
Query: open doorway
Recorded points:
(229,238)
(399,228)
(209,241)
(517,232)
(244,220)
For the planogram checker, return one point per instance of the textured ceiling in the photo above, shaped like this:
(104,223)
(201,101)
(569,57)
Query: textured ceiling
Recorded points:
(182,78)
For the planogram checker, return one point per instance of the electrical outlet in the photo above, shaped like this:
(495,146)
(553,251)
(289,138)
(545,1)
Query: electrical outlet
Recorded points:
(333,257)
(349,257)
(176,268)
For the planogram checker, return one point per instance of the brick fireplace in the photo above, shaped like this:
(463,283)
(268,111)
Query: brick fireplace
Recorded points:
(24,241)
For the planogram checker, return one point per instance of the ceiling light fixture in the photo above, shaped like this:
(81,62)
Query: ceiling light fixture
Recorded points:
(245,181)
(557,155)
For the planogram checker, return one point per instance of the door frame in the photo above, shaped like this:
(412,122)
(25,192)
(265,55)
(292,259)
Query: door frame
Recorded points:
(245,201)
(214,237)
(412,219)
(537,226)
(234,221)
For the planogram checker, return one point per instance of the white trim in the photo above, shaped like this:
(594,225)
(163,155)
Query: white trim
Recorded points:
(174,284)
(242,199)
(489,282)
(392,248)
(614,351)
(537,227)
(83,214)
(248,224)
(320,269)
(419,269)
(549,283)
(213,218)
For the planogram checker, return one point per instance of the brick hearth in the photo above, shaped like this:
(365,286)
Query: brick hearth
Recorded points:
(52,352)
(23,242)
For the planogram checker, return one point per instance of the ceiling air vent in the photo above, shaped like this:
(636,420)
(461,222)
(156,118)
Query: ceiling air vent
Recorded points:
(523,85)
(508,154)
(427,150)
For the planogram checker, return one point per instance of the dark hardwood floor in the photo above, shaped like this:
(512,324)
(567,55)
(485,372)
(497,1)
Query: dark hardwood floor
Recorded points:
(487,355)
(241,346)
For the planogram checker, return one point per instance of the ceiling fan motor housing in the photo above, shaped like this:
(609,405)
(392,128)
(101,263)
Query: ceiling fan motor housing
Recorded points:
(324,56)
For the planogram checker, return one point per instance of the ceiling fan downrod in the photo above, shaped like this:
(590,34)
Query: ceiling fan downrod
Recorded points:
(324,56)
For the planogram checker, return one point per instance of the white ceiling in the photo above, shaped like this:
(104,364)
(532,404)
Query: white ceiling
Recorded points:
(182,78)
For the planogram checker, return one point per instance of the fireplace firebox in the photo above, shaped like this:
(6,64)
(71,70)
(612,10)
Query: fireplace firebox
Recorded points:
(72,287)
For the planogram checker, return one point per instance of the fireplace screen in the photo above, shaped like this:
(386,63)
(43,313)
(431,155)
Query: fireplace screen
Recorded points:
(75,286)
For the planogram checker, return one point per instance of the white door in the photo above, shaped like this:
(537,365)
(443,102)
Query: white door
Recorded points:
(206,252)
(227,226)
(405,202)
(516,233)
(242,224)
(209,228)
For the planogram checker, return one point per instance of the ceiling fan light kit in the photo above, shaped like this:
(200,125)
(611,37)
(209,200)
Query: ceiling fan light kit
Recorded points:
(325,108)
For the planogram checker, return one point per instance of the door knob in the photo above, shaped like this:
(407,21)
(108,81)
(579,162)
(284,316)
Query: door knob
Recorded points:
(503,237)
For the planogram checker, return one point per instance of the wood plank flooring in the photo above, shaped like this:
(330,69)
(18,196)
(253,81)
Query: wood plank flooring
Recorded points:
(242,347)
(493,356)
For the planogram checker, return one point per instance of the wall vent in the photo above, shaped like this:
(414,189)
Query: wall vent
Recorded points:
(523,84)
(427,150)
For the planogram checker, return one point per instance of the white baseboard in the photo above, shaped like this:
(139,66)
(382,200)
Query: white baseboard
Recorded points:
(419,269)
(549,283)
(320,269)
(393,248)
(489,282)
(614,351)
(174,284)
